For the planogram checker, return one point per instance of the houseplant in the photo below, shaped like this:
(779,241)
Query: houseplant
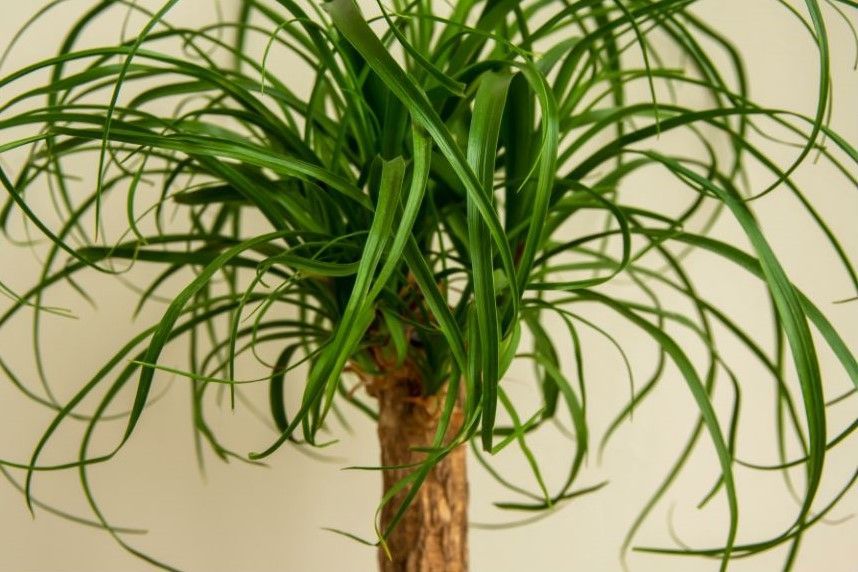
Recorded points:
(418,225)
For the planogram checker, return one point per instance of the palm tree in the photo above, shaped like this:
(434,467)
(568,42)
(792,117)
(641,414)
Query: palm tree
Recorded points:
(407,224)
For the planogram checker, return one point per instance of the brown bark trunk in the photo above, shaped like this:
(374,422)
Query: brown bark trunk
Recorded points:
(432,536)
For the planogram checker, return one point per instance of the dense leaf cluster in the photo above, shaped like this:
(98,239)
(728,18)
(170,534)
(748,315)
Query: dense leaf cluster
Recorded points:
(419,199)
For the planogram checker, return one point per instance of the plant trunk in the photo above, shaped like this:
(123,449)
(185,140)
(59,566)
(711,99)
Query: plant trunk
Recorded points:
(432,535)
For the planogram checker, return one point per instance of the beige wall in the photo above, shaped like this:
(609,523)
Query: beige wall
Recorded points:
(243,518)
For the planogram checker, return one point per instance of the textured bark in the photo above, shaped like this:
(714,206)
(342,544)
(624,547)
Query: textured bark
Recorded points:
(432,536)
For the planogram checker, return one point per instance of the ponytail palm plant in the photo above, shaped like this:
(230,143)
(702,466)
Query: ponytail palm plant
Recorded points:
(403,210)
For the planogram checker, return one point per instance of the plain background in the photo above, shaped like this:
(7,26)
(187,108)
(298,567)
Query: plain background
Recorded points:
(244,518)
